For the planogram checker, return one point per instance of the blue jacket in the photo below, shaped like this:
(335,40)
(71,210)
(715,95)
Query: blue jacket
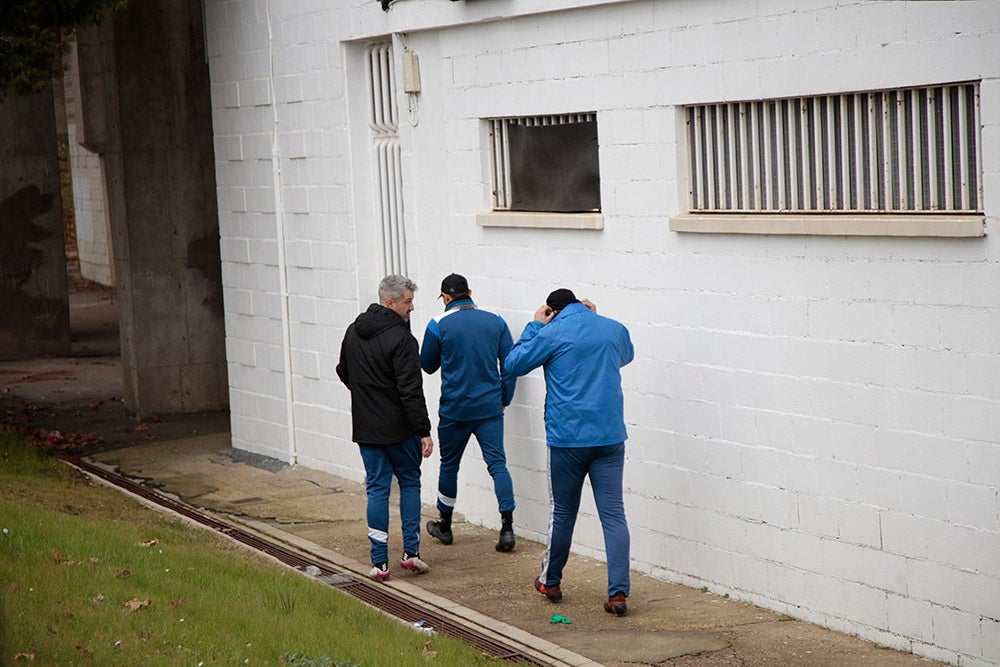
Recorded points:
(469,346)
(582,353)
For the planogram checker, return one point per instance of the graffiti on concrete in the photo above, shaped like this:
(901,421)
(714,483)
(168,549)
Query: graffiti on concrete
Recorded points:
(35,312)
(19,259)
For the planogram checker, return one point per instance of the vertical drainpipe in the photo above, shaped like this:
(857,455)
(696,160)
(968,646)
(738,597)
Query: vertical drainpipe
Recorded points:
(279,222)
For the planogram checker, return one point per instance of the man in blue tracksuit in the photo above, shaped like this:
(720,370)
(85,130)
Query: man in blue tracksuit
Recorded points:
(469,345)
(582,354)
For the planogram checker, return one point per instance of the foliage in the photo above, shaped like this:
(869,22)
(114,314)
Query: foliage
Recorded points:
(35,34)
(89,575)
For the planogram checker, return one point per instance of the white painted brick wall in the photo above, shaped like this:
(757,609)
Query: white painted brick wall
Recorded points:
(92,219)
(806,413)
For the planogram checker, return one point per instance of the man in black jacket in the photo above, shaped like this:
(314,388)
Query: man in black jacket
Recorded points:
(380,365)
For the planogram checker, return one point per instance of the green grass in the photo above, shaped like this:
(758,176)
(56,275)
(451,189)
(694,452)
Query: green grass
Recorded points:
(66,544)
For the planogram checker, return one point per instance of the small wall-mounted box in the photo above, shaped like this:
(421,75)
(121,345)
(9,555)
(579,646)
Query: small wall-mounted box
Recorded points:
(411,72)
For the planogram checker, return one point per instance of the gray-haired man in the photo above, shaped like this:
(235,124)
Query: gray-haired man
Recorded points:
(380,365)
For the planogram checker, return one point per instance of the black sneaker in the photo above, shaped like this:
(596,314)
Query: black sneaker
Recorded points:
(380,572)
(434,529)
(507,541)
(616,605)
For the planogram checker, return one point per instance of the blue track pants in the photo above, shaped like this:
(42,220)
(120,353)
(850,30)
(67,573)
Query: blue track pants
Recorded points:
(453,436)
(381,463)
(568,466)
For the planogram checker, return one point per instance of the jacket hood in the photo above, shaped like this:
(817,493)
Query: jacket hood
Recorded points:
(377,319)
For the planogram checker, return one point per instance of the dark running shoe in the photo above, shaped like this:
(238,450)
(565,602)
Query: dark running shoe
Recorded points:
(434,530)
(616,605)
(507,541)
(553,592)
(380,572)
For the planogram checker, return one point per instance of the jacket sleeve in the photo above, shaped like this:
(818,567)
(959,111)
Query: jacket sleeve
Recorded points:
(406,365)
(430,350)
(627,351)
(342,372)
(529,352)
(508,381)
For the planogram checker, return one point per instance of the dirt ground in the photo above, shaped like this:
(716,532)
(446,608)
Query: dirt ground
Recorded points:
(75,404)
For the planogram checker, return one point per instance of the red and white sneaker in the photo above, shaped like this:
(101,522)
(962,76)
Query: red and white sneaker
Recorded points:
(413,563)
(380,572)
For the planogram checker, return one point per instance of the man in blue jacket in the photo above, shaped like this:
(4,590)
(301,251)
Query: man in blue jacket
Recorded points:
(582,354)
(469,345)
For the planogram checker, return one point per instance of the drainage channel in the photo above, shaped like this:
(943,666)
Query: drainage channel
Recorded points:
(378,596)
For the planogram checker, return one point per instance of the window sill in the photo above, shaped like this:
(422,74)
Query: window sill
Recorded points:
(931,225)
(540,220)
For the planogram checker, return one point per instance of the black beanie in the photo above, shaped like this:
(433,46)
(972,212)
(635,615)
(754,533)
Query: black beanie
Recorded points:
(560,299)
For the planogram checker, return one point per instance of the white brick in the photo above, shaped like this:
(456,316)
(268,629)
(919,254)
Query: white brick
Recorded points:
(910,617)
(866,605)
(990,631)
(954,629)
(924,496)
(836,479)
(973,506)
(760,465)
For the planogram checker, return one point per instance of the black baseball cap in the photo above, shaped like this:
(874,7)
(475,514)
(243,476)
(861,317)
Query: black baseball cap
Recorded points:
(454,284)
(561,298)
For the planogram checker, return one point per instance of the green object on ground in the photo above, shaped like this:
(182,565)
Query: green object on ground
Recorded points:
(556,618)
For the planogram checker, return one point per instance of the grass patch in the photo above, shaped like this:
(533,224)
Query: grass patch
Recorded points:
(89,576)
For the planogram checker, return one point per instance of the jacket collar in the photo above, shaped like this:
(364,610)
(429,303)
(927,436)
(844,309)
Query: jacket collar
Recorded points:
(460,303)
(572,309)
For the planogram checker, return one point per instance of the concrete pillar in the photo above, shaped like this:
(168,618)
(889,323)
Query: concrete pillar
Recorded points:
(33,298)
(145,91)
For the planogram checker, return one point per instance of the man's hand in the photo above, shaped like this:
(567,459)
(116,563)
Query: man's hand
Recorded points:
(428,445)
(589,304)
(544,314)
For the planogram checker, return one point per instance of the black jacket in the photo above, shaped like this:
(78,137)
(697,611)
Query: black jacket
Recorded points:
(380,364)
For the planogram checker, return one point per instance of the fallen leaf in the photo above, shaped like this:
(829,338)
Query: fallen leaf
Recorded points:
(135,603)
(25,656)
(177,603)
(68,614)
(85,653)
(13,588)
(124,574)
(94,561)
(58,555)
(428,653)
(141,427)
(98,599)
(149,543)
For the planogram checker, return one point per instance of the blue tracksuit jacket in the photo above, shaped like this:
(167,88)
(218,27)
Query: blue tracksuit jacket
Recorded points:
(582,353)
(469,346)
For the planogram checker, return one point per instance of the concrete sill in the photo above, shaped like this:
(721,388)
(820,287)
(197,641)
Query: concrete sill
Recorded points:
(930,225)
(540,220)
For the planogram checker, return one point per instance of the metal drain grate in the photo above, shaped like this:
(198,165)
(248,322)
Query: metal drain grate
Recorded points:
(376,595)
